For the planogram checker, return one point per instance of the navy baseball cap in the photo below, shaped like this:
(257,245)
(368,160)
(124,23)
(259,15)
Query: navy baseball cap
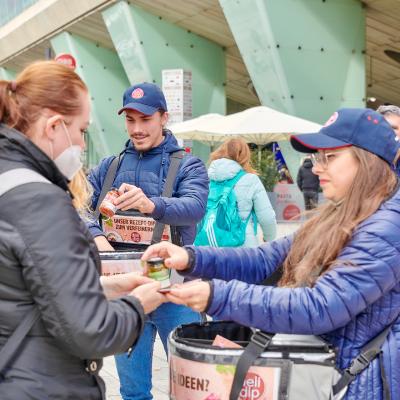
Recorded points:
(361,127)
(146,98)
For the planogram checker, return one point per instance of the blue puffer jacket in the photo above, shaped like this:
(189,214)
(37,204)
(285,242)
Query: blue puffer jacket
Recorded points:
(148,170)
(349,305)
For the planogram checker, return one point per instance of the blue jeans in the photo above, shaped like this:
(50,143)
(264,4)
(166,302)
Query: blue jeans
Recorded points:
(135,372)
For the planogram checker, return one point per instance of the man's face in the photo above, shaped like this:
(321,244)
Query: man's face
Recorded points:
(394,121)
(145,131)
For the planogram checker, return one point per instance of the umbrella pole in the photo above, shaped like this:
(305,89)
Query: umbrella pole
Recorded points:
(259,156)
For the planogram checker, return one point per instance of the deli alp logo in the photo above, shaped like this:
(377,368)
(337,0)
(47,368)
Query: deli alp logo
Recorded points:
(332,119)
(137,93)
(253,387)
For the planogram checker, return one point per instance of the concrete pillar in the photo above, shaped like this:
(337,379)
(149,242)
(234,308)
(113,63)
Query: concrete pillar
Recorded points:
(101,70)
(146,44)
(304,57)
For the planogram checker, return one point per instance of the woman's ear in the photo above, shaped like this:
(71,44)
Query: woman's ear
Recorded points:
(51,126)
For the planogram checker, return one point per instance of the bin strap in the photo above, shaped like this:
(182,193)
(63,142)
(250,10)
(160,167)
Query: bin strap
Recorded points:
(257,345)
(362,361)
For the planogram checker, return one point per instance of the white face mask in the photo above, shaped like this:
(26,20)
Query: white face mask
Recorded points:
(69,161)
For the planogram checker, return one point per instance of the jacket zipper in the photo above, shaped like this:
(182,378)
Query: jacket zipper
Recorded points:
(137,170)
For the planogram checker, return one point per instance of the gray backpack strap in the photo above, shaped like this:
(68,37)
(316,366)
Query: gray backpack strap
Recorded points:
(16,338)
(176,158)
(107,184)
(17,177)
(10,180)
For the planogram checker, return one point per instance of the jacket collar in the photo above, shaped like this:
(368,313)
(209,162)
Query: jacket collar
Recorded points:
(17,148)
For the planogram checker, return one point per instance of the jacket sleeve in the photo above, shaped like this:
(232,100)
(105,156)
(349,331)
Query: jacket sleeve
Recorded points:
(96,178)
(337,297)
(264,212)
(63,281)
(247,264)
(188,205)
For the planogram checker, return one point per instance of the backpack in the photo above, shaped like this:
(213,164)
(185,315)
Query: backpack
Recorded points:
(222,225)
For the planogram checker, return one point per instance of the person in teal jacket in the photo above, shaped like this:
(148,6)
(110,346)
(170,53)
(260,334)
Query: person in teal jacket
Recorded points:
(226,162)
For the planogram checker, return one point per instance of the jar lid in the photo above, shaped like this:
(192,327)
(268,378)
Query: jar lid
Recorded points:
(155,260)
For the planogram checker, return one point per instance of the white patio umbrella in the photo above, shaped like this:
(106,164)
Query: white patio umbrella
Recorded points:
(259,125)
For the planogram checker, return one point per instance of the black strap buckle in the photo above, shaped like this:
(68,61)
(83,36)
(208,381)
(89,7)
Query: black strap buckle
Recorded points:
(358,365)
(261,339)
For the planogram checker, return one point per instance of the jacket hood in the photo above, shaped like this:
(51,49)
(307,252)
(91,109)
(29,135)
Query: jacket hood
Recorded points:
(168,145)
(16,148)
(223,169)
(307,163)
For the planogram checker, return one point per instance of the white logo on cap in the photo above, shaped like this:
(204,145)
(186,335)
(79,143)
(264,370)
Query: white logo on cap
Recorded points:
(332,119)
(137,93)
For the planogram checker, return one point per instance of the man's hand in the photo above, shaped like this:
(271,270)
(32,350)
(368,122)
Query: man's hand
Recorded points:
(194,294)
(133,197)
(120,285)
(175,257)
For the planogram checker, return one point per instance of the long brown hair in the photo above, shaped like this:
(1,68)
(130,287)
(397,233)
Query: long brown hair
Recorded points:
(319,241)
(235,149)
(44,84)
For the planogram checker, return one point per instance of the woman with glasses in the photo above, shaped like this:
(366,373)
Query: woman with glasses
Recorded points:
(341,270)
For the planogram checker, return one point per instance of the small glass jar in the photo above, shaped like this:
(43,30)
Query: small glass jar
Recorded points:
(157,270)
(107,207)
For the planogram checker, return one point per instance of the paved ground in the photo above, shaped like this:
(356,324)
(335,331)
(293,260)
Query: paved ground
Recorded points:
(160,366)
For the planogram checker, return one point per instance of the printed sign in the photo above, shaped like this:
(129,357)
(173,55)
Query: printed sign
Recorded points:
(202,381)
(132,229)
(289,202)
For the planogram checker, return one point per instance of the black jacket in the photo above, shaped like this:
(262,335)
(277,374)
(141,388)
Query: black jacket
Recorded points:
(48,260)
(306,180)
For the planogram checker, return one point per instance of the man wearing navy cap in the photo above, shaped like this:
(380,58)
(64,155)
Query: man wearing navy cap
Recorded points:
(140,179)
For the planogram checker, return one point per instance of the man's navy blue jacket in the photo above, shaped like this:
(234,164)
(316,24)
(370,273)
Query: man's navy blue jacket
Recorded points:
(148,171)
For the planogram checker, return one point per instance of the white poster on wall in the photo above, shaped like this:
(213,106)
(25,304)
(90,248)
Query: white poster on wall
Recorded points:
(177,88)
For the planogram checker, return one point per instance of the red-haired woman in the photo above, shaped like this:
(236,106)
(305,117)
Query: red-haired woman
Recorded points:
(48,261)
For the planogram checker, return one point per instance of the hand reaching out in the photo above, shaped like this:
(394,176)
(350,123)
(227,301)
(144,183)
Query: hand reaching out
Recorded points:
(175,257)
(194,294)
(149,296)
(120,285)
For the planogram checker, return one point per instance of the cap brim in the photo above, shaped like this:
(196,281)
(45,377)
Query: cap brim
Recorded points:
(142,108)
(312,142)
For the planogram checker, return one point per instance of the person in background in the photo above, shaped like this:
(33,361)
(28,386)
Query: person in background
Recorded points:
(140,179)
(49,264)
(227,161)
(341,269)
(392,114)
(308,183)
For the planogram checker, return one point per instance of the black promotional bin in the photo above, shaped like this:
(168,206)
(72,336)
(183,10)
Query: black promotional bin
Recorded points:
(293,367)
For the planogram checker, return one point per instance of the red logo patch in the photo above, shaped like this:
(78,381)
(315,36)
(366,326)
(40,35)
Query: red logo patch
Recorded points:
(332,119)
(137,93)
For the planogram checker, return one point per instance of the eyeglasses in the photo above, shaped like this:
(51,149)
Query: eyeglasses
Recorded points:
(323,159)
